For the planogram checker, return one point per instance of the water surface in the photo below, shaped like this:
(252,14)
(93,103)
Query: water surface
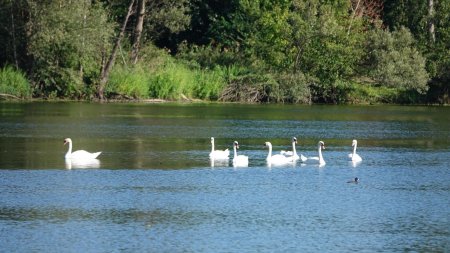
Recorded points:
(154,188)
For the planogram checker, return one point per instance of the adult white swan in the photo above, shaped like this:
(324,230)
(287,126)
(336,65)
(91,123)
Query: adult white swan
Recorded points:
(293,153)
(79,154)
(218,154)
(353,156)
(320,146)
(277,159)
(239,160)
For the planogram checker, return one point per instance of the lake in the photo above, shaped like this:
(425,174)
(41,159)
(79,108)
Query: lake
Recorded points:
(154,188)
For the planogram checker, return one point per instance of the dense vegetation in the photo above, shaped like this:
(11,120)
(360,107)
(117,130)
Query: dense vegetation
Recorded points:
(290,51)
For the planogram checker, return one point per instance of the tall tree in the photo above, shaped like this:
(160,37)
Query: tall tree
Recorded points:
(106,69)
(138,30)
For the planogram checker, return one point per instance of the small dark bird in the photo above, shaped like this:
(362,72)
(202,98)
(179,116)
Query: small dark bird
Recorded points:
(354,181)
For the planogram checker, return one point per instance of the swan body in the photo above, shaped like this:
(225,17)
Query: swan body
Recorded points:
(218,154)
(79,154)
(293,154)
(82,164)
(277,158)
(353,156)
(320,146)
(239,160)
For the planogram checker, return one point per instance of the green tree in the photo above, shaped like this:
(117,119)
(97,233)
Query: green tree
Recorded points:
(395,62)
(66,41)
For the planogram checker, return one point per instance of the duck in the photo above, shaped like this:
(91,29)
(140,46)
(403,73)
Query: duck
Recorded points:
(353,156)
(293,153)
(277,158)
(218,154)
(320,146)
(354,181)
(239,160)
(79,154)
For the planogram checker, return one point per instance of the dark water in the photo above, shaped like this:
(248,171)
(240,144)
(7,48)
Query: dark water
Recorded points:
(154,189)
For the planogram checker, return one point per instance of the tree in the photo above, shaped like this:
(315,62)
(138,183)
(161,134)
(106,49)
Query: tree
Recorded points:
(395,62)
(64,40)
(106,69)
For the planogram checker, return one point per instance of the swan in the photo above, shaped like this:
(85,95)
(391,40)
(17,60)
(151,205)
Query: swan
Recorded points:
(218,154)
(320,146)
(82,164)
(79,154)
(293,153)
(353,156)
(239,160)
(278,158)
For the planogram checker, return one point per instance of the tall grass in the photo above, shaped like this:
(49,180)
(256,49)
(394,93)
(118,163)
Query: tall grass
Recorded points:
(128,82)
(13,82)
(172,81)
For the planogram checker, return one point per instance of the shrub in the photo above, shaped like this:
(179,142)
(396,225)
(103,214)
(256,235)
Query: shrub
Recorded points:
(13,82)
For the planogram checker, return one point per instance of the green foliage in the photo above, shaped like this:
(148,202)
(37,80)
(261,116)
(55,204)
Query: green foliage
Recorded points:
(66,41)
(128,82)
(13,82)
(394,62)
(286,51)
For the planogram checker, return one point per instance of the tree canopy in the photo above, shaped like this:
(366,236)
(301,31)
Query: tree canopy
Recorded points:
(290,51)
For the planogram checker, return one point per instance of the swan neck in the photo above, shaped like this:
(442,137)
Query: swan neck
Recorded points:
(270,153)
(69,151)
(293,149)
(354,149)
(235,152)
(320,153)
(212,146)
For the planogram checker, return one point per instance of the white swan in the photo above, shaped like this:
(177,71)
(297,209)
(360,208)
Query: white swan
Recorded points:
(82,164)
(293,153)
(79,154)
(218,154)
(239,160)
(320,146)
(277,159)
(353,156)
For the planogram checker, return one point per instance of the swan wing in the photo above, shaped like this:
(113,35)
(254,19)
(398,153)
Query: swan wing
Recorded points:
(286,153)
(83,155)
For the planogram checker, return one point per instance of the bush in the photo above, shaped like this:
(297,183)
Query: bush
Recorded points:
(394,62)
(13,82)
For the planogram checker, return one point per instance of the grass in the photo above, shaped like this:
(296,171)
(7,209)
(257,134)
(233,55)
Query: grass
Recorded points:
(14,83)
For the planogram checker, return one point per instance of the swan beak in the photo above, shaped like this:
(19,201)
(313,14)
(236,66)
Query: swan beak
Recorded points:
(65,142)
(323,147)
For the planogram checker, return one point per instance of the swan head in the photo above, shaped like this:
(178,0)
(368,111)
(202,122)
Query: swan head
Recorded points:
(321,144)
(354,143)
(67,140)
(294,139)
(268,144)
(236,144)
(212,139)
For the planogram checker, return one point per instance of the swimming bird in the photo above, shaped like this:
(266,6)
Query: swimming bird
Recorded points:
(79,154)
(353,156)
(293,153)
(218,154)
(277,159)
(239,160)
(354,181)
(320,146)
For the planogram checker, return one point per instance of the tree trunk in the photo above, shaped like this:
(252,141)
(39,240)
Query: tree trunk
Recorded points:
(109,64)
(431,21)
(13,33)
(138,31)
